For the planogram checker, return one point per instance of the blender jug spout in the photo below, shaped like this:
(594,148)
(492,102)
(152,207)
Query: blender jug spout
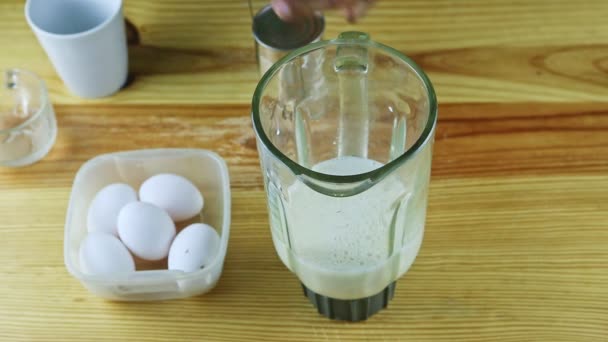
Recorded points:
(336,189)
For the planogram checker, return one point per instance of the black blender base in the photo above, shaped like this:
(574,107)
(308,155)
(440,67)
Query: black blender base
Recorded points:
(350,310)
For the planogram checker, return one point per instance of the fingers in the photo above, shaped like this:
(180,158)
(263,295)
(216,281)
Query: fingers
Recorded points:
(290,10)
(358,10)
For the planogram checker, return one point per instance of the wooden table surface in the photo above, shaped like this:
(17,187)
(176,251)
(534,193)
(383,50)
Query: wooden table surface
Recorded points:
(516,246)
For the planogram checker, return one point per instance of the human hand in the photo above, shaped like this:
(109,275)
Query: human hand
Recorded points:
(292,10)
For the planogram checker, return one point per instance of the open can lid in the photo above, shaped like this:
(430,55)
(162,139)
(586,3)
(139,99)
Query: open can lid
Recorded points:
(272,32)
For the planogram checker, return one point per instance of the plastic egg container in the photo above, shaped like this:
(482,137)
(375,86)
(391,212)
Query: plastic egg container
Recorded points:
(205,169)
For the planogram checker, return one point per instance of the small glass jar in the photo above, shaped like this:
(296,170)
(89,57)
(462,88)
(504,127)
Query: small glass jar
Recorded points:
(28,127)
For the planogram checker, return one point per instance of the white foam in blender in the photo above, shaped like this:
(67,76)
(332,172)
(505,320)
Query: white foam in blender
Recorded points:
(340,246)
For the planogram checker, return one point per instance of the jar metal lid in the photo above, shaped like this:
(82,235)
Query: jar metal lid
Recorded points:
(272,32)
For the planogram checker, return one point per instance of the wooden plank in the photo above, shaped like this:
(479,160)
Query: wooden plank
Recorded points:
(504,259)
(480,140)
(515,244)
(475,51)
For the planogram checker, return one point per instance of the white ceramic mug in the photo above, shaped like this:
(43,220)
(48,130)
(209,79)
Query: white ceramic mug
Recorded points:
(85,40)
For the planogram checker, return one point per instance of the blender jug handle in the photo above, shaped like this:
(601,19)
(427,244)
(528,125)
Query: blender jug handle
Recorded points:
(351,65)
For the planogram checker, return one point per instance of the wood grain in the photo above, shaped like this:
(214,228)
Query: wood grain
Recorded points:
(509,259)
(515,244)
(201,51)
(472,140)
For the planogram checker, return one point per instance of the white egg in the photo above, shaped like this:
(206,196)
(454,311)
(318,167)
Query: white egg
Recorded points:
(103,253)
(146,230)
(173,193)
(104,209)
(194,247)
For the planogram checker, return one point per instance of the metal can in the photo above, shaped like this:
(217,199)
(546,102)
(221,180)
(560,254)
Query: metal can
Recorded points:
(275,38)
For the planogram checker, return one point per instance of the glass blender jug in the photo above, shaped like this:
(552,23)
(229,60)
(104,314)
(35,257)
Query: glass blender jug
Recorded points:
(344,133)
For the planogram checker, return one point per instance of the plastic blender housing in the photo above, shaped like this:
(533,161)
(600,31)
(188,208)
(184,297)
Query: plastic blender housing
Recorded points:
(349,232)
